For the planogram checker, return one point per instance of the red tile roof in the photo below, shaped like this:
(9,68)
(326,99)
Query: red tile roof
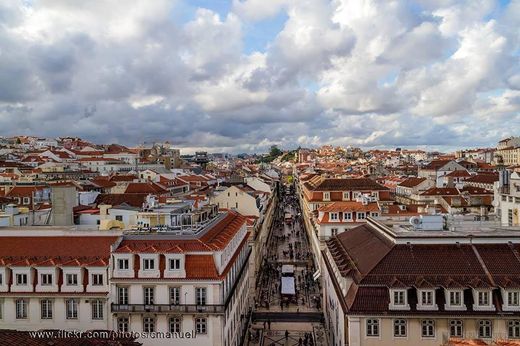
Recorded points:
(32,250)
(148,187)
(349,206)
(132,199)
(201,267)
(411,182)
(339,184)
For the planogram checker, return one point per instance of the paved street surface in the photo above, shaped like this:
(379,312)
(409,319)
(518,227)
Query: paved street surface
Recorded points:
(287,244)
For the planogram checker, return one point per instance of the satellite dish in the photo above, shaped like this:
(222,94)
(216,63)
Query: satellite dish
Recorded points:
(415,221)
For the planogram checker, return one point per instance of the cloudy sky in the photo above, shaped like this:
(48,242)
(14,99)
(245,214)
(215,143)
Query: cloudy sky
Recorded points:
(241,75)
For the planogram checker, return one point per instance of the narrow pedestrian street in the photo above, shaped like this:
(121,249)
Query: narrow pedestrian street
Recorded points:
(288,299)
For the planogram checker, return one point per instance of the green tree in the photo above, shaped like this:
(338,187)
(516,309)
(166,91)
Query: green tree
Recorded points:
(275,151)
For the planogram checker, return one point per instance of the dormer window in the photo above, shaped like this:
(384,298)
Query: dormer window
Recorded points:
(427,298)
(175,264)
(348,216)
(346,196)
(46,279)
(148,264)
(97,279)
(333,216)
(399,297)
(513,298)
(71,279)
(360,216)
(21,279)
(455,298)
(123,264)
(326,196)
(483,298)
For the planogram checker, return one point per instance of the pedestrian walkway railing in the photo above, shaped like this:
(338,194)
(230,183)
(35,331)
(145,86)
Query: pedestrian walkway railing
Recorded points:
(168,308)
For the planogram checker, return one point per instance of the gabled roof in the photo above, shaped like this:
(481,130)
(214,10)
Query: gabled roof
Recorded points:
(459,174)
(342,184)
(411,182)
(148,187)
(132,199)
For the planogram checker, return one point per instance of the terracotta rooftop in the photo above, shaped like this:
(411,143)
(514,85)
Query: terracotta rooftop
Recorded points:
(33,250)
(132,199)
(411,182)
(342,184)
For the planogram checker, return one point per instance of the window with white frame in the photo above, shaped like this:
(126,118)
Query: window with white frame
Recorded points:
(456,328)
(46,309)
(347,216)
(46,279)
(455,298)
(334,232)
(175,263)
(513,329)
(399,297)
(71,307)
(346,195)
(122,295)
(333,216)
(200,295)
(149,295)
(372,327)
(201,325)
(361,216)
(71,279)
(123,264)
(175,324)
(427,298)
(123,324)
(148,324)
(399,328)
(326,196)
(484,298)
(428,328)
(26,200)
(175,295)
(513,298)
(21,279)
(374,214)
(21,309)
(148,264)
(97,279)
(485,329)
(97,309)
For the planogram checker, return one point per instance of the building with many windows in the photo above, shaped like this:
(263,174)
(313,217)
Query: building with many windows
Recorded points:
(188,278)
(48,280)
(178,281)
(398,285)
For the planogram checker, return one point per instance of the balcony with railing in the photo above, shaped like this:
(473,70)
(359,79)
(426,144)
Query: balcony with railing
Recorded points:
(168,308)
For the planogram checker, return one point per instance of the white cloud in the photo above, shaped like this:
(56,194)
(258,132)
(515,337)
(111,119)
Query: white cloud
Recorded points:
(361,72)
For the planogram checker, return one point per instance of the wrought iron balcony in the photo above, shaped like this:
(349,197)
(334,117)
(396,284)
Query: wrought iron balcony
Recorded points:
(169,308)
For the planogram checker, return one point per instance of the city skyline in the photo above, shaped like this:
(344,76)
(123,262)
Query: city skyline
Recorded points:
(371,74)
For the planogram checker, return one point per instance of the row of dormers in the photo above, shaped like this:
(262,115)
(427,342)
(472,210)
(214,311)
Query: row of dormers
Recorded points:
(149,265)
(454,299)
(53,279)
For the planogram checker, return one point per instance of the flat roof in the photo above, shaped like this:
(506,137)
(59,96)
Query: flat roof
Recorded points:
(401,231)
